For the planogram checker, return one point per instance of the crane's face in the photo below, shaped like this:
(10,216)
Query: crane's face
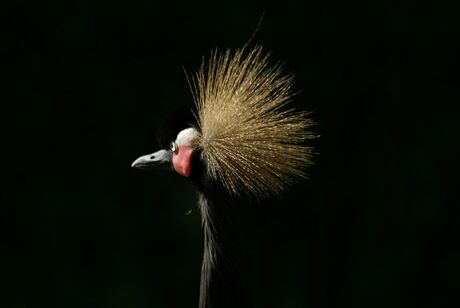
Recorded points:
(178,155)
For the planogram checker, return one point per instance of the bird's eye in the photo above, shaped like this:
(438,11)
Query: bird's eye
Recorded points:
(173,147)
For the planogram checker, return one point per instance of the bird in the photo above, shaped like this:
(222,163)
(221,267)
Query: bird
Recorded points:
(243,141)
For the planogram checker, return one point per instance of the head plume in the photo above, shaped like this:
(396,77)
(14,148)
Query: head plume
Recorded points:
(251,143)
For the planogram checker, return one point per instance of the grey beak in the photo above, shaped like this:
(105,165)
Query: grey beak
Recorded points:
(160,159)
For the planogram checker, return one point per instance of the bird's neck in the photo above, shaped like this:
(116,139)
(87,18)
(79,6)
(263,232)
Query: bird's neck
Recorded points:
(220,279)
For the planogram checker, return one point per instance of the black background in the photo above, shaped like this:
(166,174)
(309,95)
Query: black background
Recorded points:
(87,83)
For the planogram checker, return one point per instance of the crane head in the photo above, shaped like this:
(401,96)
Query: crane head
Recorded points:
(178,155)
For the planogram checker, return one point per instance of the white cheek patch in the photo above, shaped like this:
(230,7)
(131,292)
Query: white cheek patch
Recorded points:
(187,137)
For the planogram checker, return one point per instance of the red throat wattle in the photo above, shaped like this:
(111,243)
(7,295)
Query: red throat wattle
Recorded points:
(182,160)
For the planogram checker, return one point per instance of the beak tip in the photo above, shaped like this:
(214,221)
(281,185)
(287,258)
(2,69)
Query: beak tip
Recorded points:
(135,163)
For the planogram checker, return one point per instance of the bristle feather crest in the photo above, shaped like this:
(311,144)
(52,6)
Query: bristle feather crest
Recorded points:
(249,141)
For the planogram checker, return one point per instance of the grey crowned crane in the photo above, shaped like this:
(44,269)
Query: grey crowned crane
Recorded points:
(244,143)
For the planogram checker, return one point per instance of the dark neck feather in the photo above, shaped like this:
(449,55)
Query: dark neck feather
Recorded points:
(220,279)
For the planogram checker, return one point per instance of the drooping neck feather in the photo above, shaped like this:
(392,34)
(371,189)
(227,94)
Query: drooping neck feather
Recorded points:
(220,276)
